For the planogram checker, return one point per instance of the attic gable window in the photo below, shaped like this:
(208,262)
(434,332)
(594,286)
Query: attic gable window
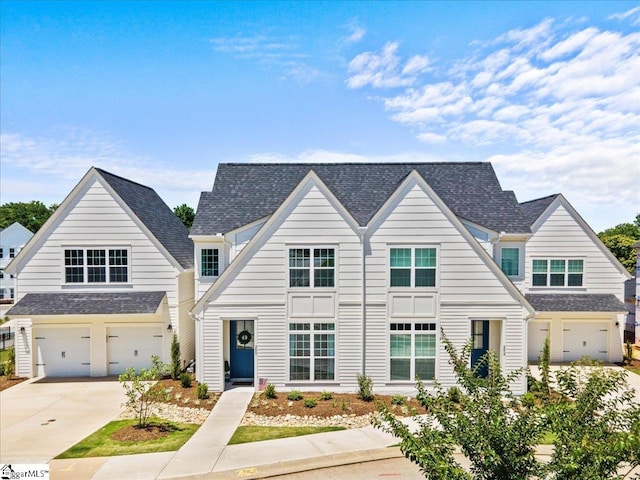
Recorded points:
(557,272)
(312,267)
(96,265)
(510,261)
(209,262)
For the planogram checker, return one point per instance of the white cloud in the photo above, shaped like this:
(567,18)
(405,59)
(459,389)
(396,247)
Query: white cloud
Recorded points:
(356,33)
(633,13)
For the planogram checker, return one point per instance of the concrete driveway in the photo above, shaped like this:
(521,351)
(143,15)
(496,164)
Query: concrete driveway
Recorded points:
(41,418)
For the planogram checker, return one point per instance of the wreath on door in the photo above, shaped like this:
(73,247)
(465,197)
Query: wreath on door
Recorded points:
(244,337)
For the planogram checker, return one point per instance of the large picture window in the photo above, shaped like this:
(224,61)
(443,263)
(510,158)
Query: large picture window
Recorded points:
(312,267)
(96,265)
(209,262)
(412,351)
(312,351)
(557,272)
(412,267)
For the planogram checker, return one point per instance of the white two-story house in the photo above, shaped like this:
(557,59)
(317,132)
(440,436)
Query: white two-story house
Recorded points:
(308,274)
(12,239)
(104,284)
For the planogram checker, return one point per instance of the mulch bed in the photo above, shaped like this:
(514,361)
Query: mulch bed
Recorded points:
(186,397)
(133,433)
(7,383)
(339,404)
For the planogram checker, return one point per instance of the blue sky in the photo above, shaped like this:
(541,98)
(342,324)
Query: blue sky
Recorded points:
(160,92)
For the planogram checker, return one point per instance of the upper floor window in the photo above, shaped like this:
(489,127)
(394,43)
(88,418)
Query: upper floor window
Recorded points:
(1,252)
(413,267)
(1,274)
(12,252)
(557,273)
(510,261)
(209,262)
(312,267)
(96,265)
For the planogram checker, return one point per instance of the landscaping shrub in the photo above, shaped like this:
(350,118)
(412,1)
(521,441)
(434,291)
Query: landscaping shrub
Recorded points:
(9,365)
(397,400)
(528,400)
(454,394)
(365,387)
(325,395)
(629,354)
(270,391)
(294,395)
(140,396)
(202,391)
(309,402)
(175,357)
(185,380)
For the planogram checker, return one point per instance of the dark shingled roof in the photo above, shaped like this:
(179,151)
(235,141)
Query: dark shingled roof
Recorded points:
(245,192)
(534,208)
(156,215)
(87,303)
(592,302)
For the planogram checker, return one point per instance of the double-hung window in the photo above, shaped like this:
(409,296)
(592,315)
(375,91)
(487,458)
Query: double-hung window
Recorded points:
(209,262)
(12,252)
(312,267)
(557,272)
(412,267)
(96,265)
(412,351)
(312,351)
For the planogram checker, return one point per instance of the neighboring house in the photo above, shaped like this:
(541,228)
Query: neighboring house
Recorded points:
(630,300)
(12,239)
(104,284)
(308,274)
(637,296)
(575,284)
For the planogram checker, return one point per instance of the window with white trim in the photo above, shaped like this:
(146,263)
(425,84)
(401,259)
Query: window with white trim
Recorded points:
(412,351)
(412,267)
(12,252)
(312,351)
(510,261)
(96,265)
(557,272)
(209,262)
(1,252)
(312,267)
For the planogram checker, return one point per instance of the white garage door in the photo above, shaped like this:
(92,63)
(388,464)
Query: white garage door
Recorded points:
(62,351)
(581,339)
(538,331)
(132,347)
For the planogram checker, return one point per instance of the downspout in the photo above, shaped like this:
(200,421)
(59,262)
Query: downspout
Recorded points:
(363,290)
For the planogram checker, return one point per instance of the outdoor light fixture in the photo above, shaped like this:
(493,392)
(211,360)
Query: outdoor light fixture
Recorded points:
(22,329)
(169,328)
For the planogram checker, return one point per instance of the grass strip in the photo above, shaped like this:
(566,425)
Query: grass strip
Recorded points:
(100,443)
(247,434)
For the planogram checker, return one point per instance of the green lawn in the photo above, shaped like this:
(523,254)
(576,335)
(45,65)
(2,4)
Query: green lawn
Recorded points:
(257,434)
(100,443)
(635,370)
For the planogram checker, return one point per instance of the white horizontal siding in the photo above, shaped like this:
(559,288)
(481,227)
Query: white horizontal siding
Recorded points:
(349,345)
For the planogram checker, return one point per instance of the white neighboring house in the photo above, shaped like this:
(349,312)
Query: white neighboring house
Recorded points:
(307,274)
(104,284)
(12,239)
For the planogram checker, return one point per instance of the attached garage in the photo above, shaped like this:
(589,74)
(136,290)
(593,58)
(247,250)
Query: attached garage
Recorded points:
(132,347)
(578,325)
(62,351)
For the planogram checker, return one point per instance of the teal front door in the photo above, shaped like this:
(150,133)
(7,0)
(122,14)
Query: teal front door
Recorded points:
(241,337)
(480,337)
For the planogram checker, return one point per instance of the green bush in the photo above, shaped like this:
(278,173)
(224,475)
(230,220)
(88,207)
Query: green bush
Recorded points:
(185,380)
(294,395)
(270,391)
(528,400)
(454,394)
(9,365)
(365,387)
(175,357)
(629,352)
(325,395)
(309,402)
(398,400)
(202,391)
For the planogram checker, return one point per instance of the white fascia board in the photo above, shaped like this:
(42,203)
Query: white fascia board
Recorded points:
(414,176)
(310,178)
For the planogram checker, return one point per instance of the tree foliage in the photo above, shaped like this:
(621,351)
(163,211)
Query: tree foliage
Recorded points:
(591,416)
(621,239)
(186,214)
(138,386)
(30,215)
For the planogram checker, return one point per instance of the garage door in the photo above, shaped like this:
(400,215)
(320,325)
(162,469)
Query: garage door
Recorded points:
(132,347)
(538,331)
(581,339)
(62,351)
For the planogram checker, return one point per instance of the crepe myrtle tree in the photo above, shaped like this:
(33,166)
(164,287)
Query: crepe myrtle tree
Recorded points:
(591,416)
(140,391)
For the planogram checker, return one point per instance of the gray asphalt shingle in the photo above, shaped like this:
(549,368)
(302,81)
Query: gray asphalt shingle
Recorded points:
(243,193)
(88,303)
(156,215)
(576,302)
(534,208)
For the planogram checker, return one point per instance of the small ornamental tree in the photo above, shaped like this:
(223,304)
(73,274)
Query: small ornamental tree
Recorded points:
(140,391)
(175,358)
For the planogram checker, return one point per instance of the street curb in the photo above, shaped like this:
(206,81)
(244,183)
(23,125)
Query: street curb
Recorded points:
(302,465)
